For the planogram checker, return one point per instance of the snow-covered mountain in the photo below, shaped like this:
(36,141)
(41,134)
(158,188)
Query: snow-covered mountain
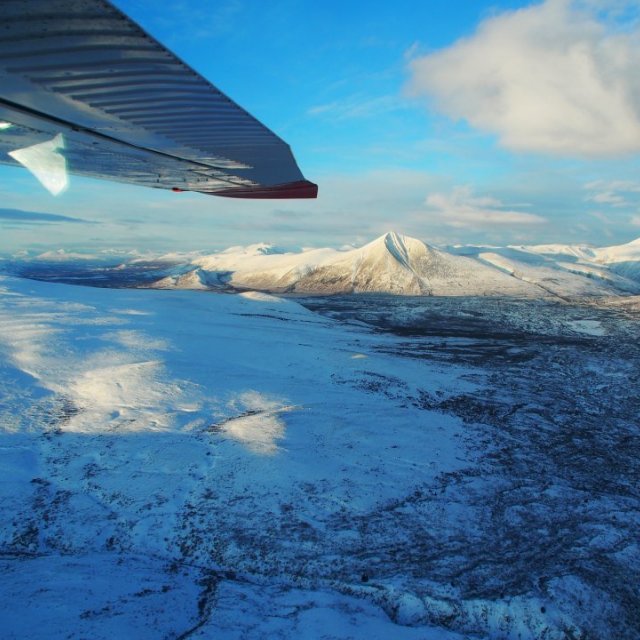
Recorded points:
(604,262)
(178,465)
(398,264)
(402,265)
(628,252)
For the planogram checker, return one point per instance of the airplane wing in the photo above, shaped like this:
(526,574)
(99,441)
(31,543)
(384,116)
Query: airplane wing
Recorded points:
(83,85)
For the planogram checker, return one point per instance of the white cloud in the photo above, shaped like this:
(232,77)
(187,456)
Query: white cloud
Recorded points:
(598,215)
(558,77)
(461,208)
(357,106)
(611,8)
(615,193)
(614,185)
(608,197)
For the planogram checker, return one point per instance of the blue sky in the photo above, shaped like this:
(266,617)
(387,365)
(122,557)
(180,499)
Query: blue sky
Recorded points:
(467,122)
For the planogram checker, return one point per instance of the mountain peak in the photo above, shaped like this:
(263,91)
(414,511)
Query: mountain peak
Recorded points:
(397,247)
(389,236)
(402,248)
(257,249)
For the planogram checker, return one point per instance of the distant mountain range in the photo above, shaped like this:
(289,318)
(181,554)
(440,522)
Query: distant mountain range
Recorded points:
(397,264)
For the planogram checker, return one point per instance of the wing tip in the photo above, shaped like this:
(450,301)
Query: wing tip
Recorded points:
(288,190)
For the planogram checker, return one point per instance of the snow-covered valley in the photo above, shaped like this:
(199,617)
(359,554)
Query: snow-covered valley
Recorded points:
(187,464)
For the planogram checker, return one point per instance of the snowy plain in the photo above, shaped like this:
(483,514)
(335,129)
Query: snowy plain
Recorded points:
(192,464)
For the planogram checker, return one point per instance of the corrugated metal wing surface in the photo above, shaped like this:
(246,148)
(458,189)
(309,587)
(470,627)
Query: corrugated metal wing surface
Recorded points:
(129,108)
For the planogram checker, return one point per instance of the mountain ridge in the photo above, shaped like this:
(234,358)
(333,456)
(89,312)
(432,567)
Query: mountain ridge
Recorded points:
(401,265)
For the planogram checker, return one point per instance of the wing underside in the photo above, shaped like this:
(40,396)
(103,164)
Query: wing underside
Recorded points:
(123,107)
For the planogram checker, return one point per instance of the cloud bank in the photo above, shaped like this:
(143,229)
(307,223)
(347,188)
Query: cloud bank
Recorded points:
(560,77)
(29,217)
